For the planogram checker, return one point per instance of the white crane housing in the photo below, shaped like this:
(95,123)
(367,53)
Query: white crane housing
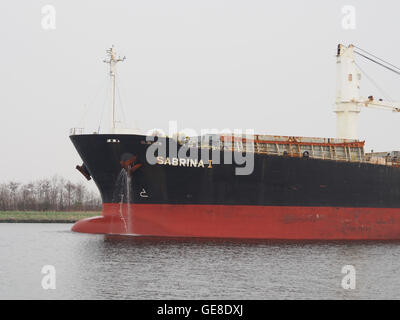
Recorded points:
(348,101)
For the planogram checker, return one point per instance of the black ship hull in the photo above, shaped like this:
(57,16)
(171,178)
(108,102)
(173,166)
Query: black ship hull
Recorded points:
(284,197)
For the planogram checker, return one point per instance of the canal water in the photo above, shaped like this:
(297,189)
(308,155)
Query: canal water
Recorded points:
(114,267)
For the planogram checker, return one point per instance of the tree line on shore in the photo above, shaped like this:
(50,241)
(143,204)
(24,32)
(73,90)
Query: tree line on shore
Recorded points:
(55,194)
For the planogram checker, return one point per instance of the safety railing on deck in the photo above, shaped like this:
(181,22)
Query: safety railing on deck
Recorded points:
(76,131)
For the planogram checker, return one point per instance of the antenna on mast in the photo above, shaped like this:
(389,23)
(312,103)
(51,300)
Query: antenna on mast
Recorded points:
(112,59)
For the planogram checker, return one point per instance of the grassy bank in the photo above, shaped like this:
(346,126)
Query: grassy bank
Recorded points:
(44,217)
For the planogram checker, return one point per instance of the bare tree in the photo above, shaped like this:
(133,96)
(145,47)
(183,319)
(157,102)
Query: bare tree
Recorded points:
(55,194)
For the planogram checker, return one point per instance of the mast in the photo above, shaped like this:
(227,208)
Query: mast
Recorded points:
(112,59)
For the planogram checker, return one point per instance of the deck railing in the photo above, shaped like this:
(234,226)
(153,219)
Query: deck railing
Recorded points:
(76,131)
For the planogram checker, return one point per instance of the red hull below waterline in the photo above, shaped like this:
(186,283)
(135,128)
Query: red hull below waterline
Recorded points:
(245,222)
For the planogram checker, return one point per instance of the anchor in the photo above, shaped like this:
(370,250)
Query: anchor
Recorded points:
(83,169)
(130,166)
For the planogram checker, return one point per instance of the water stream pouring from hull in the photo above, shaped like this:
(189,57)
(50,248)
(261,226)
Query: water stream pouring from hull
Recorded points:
(122,194)
(123,186)
(128,201)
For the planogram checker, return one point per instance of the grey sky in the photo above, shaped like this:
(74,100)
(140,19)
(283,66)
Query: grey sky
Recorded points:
(265,65)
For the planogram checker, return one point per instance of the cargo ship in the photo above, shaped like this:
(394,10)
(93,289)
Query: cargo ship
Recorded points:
(297,188)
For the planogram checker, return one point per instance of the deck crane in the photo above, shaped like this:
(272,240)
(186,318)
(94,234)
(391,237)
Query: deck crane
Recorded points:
(348,101)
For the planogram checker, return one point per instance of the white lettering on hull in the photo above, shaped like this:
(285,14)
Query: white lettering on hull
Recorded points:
(182,162)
